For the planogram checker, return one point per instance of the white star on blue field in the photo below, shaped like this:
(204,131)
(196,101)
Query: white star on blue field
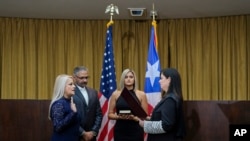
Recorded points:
(152,72)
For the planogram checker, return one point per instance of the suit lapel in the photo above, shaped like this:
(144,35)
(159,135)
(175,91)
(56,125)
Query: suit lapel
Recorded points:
(89,95)
(79,94)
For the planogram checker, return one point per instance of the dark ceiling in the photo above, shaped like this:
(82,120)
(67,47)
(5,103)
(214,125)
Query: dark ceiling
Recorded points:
(95,9)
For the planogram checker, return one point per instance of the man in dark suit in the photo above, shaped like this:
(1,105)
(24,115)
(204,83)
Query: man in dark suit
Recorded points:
(88,105)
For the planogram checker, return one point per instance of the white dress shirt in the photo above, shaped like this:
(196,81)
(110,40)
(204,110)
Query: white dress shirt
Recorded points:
(85,94)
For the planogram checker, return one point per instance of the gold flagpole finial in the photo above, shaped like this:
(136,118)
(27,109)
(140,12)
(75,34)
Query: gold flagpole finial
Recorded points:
(112,9)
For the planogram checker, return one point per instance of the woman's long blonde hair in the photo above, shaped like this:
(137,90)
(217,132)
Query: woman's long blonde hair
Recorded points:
(59,89)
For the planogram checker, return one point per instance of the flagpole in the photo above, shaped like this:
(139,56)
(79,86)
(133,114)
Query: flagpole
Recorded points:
(151,86)
(153,12)
(154,24)
(108,79)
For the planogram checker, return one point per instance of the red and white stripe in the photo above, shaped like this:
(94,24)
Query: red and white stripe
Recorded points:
(107,127)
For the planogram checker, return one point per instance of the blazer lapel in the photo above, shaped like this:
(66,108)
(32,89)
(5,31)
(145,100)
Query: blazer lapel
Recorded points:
(166,97)
(159,104)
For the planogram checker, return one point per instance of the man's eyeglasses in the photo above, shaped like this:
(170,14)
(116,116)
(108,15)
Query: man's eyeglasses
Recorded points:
(84,77)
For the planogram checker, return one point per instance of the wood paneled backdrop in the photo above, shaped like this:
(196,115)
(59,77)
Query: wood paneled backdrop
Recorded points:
(27,120)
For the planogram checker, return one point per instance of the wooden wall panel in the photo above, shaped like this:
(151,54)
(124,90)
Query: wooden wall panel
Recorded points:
(27,120)
(24,120)
(46,124)
(205,121)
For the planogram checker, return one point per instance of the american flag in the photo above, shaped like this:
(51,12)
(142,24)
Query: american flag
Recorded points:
(152,77)
(107,87)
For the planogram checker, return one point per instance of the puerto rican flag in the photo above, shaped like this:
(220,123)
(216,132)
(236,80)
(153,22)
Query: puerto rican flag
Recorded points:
(152,77)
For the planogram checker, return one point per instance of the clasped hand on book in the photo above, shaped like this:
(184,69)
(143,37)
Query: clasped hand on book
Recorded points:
(127,115)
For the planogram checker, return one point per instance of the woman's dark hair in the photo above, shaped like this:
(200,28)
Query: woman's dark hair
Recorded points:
(175,84)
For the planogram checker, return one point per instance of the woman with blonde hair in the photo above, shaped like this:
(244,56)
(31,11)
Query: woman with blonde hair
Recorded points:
(62,110)
(127,127)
